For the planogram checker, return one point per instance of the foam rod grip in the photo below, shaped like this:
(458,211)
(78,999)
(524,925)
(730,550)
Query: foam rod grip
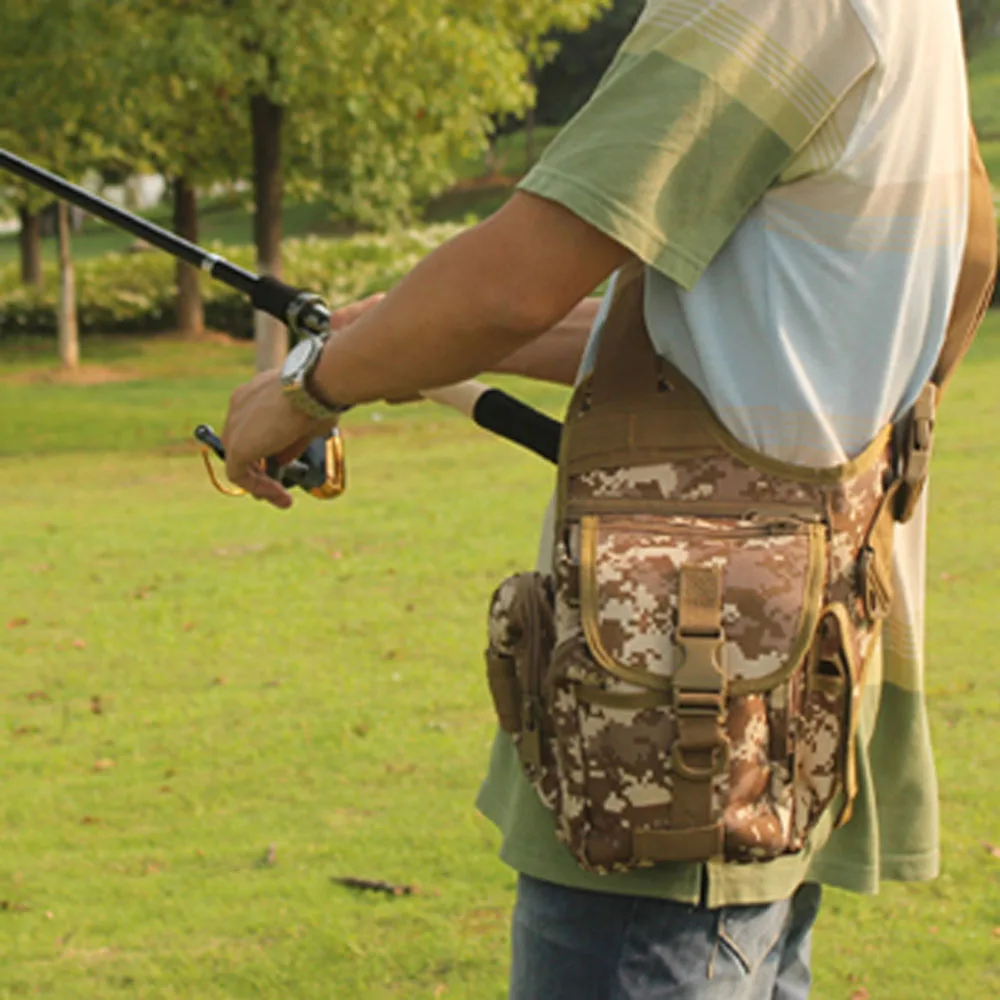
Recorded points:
(500,413)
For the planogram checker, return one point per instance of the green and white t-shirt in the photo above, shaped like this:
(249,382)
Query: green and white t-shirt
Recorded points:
(795,177)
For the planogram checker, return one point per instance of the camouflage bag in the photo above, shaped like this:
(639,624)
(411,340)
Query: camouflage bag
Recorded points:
(685,685)
(680,706)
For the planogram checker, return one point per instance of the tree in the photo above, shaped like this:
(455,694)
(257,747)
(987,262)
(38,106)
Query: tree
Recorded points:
(566,83)
(44,94)
(169,111)
(536,26)
(366,105)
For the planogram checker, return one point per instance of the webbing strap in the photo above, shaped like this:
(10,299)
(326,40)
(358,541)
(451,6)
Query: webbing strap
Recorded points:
(627,365)
(979,269)
(914,434)
(701,751)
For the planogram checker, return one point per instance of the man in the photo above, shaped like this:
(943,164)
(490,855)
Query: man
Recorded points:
(795,179)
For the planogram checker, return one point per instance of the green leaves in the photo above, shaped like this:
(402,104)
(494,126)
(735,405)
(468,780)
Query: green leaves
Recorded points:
(379,96)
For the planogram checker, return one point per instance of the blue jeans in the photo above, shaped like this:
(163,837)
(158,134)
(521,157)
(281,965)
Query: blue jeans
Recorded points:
(570,944)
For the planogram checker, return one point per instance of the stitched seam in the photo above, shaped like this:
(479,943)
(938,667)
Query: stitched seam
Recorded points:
(741,955)
(735,949)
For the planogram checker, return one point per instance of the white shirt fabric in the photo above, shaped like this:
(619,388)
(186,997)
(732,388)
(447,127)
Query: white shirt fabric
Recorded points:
(823,315)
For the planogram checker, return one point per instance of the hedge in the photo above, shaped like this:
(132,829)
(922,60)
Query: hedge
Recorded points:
(135,292)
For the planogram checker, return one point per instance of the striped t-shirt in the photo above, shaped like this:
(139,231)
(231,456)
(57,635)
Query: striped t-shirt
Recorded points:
(795,177)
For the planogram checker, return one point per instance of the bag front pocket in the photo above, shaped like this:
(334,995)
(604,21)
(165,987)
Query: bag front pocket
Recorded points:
(678,620)
(630,569)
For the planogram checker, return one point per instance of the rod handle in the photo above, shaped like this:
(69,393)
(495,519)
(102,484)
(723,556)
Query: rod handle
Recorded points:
(305,314)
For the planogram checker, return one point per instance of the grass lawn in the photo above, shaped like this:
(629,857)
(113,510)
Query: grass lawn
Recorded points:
(210,708)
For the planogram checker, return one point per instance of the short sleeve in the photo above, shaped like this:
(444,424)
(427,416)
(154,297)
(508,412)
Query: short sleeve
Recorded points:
(703,108)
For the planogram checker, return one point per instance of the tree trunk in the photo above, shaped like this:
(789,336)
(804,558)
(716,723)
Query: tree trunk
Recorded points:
(31,248)
(270,335)
(190,312)
(69,333)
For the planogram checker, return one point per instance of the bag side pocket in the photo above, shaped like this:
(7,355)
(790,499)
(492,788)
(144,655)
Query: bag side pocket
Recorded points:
(521,638)
(824,759)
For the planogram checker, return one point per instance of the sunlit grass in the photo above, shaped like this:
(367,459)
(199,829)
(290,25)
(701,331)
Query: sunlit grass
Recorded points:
(210,708)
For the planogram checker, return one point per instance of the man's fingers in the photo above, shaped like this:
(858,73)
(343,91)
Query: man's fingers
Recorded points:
(346,315)
(260,485)
(293,451)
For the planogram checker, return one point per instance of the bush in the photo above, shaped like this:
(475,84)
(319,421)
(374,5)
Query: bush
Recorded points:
(135,293)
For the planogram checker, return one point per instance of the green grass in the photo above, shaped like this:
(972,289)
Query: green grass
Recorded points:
(312,681)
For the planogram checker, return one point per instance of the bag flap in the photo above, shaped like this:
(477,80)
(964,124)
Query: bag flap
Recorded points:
(773,575)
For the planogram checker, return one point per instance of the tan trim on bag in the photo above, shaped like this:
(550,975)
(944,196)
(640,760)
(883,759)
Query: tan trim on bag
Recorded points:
(799,473)
(580,507)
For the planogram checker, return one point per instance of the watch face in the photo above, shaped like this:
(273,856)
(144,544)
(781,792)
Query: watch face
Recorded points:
(298,359)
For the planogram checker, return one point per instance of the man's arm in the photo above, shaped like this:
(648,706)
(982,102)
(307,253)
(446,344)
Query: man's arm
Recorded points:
(476,301)
(472,303)
(555,356)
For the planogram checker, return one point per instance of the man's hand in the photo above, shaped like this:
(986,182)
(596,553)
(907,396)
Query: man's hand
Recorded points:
(261,424)
(346,315)
(478,299)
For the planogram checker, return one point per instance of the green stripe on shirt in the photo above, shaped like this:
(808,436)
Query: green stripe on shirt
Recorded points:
(669,180)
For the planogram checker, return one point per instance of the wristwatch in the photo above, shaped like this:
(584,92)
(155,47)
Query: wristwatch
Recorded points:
(295,372)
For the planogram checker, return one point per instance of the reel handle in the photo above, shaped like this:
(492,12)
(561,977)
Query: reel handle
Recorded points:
(320,470)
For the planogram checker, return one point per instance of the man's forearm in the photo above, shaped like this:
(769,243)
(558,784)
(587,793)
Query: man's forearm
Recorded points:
(555,355)
(475,304)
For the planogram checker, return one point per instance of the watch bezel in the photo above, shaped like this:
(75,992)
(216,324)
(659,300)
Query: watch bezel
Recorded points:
(295,375)
(294,372)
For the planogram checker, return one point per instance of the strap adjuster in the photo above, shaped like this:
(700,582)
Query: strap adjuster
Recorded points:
(914,455)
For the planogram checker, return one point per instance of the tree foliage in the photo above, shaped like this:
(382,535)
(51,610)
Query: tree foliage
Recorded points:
(980,20)
(565,84)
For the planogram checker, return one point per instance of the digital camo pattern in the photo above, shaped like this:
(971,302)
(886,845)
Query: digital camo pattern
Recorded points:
(505,631)
(607,767)
(821,736)
(638,562)
(758,810)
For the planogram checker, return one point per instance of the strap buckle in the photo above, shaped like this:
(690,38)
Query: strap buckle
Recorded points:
(701,750)
(914,457)
(874,585)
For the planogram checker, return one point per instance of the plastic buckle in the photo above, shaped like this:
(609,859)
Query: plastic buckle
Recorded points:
(700,676)
(915,455)
(876,596)
(699,703)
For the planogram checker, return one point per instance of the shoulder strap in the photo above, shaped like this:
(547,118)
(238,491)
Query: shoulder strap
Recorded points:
(979,270)
(914,434)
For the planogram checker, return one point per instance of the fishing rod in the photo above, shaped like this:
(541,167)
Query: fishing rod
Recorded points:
(320,469)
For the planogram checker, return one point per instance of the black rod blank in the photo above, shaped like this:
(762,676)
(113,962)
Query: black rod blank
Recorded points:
(236,277)
(305,314)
